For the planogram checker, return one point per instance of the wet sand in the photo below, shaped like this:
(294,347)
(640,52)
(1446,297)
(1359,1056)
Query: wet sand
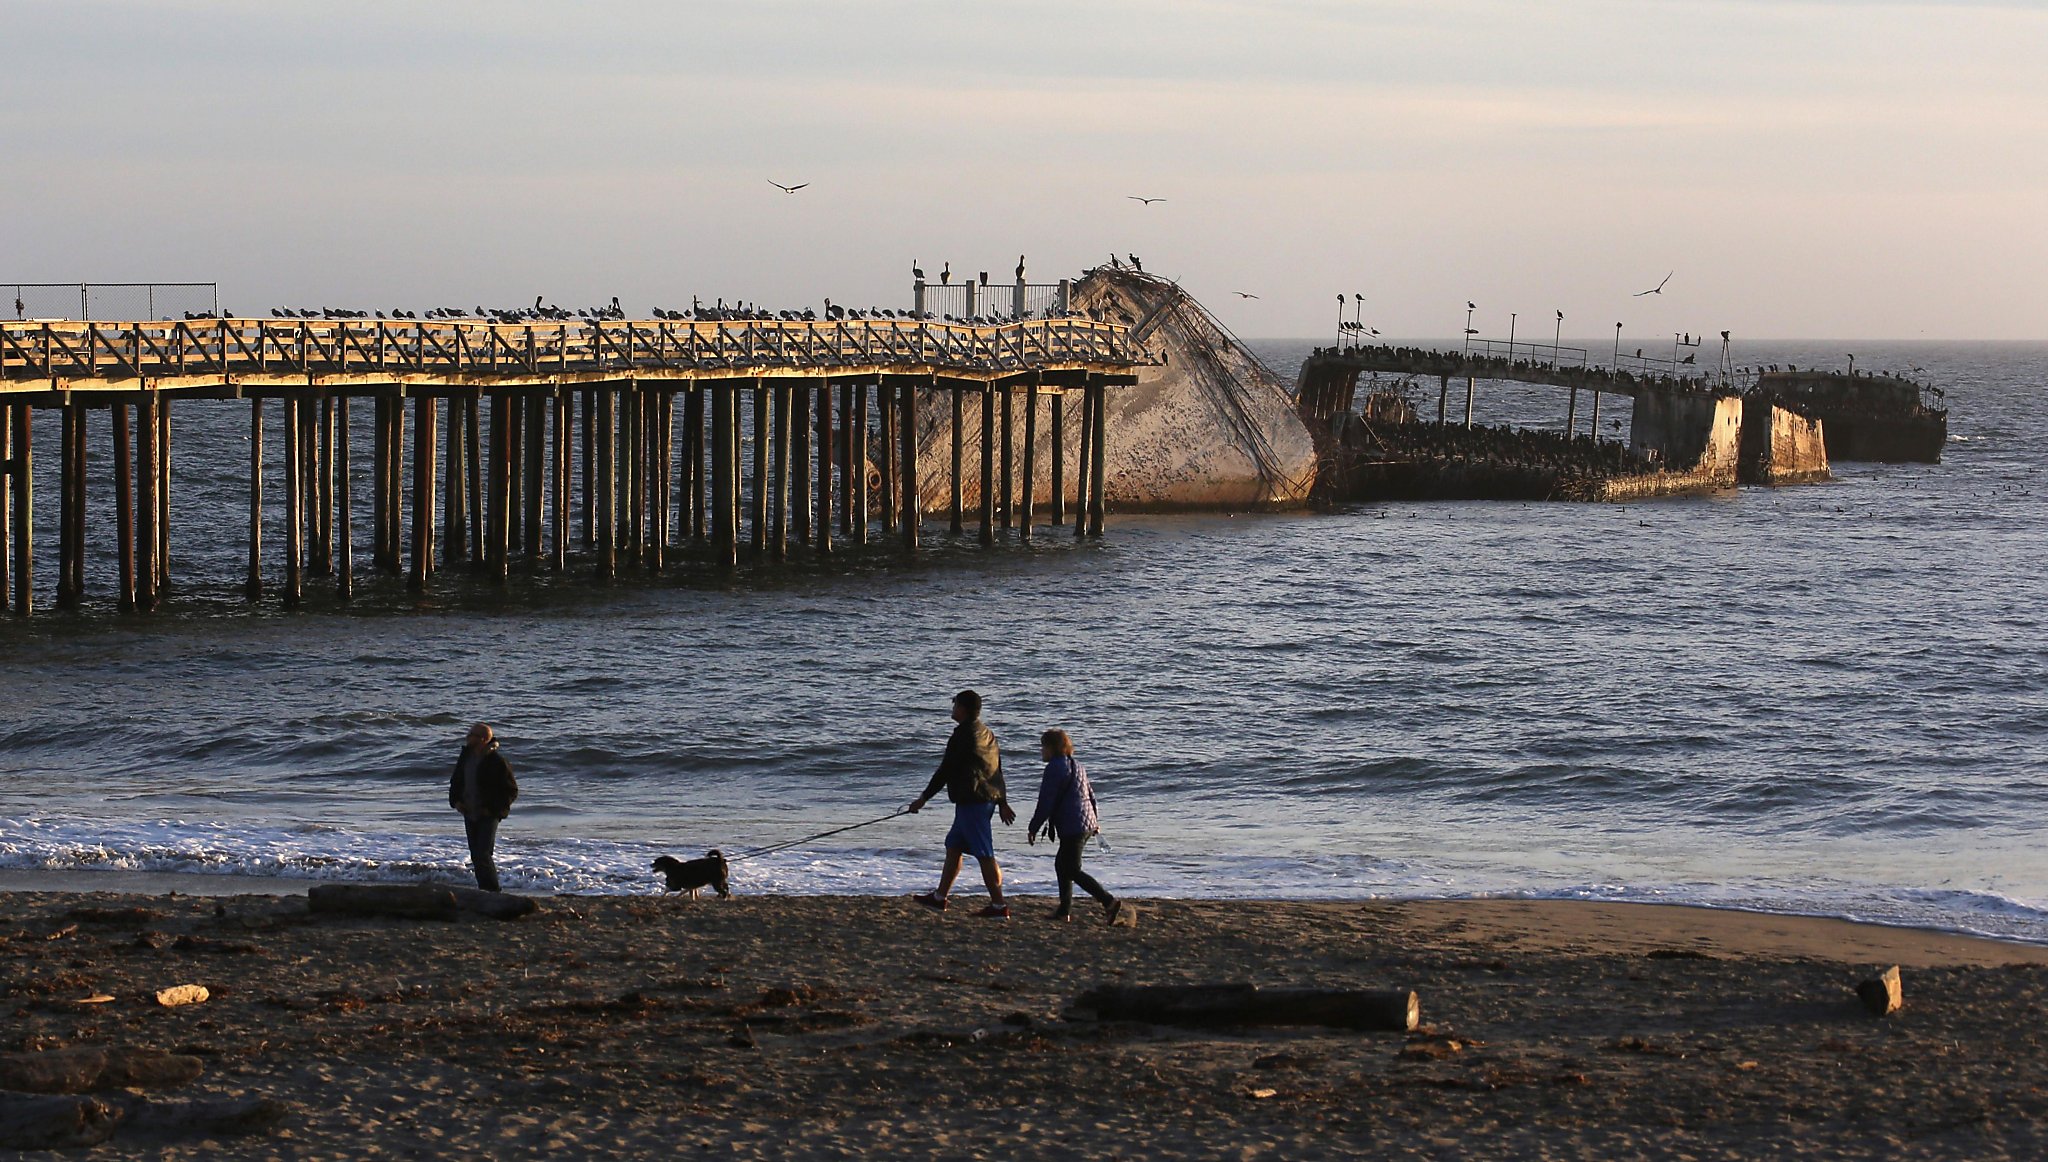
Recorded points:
(810,1027)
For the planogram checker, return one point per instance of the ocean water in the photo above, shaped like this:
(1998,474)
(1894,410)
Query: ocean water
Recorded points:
(1824,699)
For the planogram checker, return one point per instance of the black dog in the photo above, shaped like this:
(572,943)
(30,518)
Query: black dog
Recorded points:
(692,875)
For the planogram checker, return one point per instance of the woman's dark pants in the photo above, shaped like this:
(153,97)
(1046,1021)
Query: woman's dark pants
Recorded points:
(483,837)
(1067,866)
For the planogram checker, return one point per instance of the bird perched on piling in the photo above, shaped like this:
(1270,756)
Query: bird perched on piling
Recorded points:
(946,274)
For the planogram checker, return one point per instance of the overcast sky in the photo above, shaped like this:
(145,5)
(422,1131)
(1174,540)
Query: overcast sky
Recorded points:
(1808,169)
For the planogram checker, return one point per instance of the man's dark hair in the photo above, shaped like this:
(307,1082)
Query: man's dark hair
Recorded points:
(970,700)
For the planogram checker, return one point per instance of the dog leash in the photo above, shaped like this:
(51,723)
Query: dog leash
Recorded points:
(774,847)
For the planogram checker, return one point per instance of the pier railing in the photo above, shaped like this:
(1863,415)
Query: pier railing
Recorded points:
(41,354)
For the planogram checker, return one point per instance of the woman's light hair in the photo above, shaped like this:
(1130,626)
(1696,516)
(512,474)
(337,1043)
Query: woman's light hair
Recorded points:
(1058,741)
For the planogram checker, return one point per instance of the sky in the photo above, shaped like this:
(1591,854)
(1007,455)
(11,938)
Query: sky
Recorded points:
(1801,168)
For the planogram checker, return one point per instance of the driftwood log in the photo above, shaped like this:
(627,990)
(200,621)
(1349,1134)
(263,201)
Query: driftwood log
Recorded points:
(1883,994)
(414,901)
(36,1122)
(39,1122)
(89,1070)
(1212,1005)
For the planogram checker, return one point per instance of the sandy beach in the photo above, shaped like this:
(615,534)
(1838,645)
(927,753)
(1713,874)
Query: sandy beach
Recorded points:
(765,1027)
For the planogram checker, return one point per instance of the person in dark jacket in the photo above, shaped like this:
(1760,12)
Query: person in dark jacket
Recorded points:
(972,775)
(483,789)
(1066,809)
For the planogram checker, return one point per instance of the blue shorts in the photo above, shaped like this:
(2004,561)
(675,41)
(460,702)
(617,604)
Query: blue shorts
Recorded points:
(970,831)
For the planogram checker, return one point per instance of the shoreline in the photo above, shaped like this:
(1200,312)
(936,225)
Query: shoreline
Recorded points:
(1536,922)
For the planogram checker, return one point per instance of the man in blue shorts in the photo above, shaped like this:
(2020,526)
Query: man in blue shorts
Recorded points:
(972,774)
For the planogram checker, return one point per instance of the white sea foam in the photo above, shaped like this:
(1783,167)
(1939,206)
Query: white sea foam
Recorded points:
(570,865)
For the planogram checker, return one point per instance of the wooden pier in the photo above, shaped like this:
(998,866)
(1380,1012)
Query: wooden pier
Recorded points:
(544,446)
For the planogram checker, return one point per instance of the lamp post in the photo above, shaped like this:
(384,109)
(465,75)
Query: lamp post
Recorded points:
(1469,308)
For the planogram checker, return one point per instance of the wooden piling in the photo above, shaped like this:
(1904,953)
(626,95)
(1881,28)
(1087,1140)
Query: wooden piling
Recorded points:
(147,481)
(455,489)
(1008,496)
(724,473)
(778,475)
(1082,458)
(324,480)
(1571,414)
(536,474)
(344,529)
(163,497)
(67,503)
(253,586)
(824,483)
(954,523)
(1595,425)
(394,484)
(857,460)
(1469,391)
(757,499)
(663,490)
(473,474)
(294,512)
(380,455)
(694,504)
(1059,458)
(800,460)
(1443,397)
(988,464)
(588,403)
(309,495)
(913,503)
(124,509)
(1027,501)
(515,467)
(6,507)
(426,441)
(625,533)
(498,555)
(607,482)
(24,512)
(844,436)
(1098,483)
(559,534)
(885,409)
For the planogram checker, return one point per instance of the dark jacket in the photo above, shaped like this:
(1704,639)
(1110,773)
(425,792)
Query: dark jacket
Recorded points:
(972,771)
(495,785)
(1066,801)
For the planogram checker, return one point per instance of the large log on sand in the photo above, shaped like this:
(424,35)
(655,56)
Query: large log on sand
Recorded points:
(38,1122)
(1211,1005)
(34,1122)
(88,1070)
(414,901)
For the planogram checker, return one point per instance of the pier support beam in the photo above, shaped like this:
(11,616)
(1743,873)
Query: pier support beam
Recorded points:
(857,460)
(6,506)
(1083,457)
(693,461)
(1006,503)
(498,510)
(253,586)
(826,435)
(1443,396)
(425,440)
(757,500)
(1027,501)
(1059,459)
(1596,413)
(589,410)
(147,511)
(69,507)
(988,464)
(885,418)
(1099,472)
(913,503)
(778,474)
(294,510)
(1468,401)
(394,488)
(559,534)
(536,475)
(843,435)
(607,497)
(1571,414)
(455,489)
(23,458)
(954,523)
(473,469)
(724,474)
(323,480)
(124,508)
(800,462)
(344,528)
(163,498)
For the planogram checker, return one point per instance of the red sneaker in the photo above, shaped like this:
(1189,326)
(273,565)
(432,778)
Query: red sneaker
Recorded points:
(995,912)
(933,900)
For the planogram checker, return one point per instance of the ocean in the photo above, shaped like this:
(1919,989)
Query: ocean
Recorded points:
(1822,699)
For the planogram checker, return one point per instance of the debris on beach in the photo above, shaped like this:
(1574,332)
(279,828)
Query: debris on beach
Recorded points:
(1883,994)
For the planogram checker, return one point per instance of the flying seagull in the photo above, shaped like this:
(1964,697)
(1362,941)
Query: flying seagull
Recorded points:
(787,189)
(1655,290)
(1136,198)
(1243,295)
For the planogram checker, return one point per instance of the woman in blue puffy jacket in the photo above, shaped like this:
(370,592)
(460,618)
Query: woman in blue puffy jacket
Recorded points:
(1066,810)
